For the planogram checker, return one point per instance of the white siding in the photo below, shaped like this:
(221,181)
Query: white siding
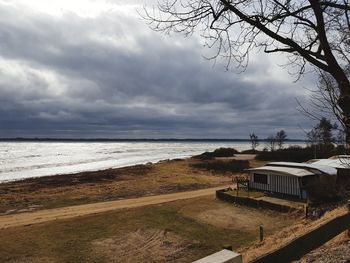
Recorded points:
(283,184)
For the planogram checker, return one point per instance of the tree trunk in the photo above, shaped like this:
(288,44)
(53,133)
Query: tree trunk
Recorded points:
(344,103)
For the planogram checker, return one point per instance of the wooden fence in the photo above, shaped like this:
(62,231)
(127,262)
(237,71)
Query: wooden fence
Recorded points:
(222,195)
(300,246)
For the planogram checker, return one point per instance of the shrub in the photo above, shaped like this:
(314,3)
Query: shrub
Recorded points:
(343,181)
(299,154)
(221,152)
(323,189)
(223,166)
(225,152)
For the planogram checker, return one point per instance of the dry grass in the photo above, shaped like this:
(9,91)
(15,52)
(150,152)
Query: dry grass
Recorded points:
(111,184)
(196,226)
(173,232)
(246,193)
(143,245)
(228,216)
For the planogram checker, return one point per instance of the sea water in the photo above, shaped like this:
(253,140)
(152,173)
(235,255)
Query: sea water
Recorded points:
(20,160)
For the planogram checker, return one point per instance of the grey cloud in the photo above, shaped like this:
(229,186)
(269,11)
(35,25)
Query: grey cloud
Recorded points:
(111,76)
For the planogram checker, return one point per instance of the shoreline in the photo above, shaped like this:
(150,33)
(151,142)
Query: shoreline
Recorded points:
(86,172)
(150,163)
(93,171)
(34,160)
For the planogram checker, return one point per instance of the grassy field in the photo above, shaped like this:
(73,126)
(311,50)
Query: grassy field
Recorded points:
(179,231)
(112,184)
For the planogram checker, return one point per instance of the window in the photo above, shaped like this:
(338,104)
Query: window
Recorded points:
(260,178)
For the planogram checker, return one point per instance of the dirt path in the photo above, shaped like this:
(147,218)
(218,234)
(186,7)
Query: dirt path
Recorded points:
(37,217)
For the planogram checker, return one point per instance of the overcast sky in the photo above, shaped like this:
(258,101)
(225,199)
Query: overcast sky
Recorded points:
(87,69)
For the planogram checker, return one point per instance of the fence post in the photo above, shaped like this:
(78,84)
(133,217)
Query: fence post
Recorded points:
(306,210)
(261,230)
(349,212)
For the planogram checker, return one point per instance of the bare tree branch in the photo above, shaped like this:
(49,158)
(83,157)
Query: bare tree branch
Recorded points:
(315,32)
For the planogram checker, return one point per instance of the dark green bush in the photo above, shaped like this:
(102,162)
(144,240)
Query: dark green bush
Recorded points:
(221,152)
(324,189)
(223,166)
(299,154)
(225,152)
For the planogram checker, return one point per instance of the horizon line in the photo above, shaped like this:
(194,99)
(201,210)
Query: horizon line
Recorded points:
(135,139)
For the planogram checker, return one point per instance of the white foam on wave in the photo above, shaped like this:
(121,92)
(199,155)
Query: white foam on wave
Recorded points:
(20,160)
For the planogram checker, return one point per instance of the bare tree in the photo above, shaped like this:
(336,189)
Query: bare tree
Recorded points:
(281,137)
(322,133)
(321,137)
(309,31)
(313,137)
(340,138)
(322,104)
(271,142)
(323,101)
(254,140)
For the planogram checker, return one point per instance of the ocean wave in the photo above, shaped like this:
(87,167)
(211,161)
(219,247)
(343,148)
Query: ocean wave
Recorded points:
(33,159)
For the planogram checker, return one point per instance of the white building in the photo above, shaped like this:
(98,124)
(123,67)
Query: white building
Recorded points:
(287,178)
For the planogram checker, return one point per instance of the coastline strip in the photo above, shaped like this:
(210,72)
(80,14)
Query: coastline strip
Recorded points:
(41,216)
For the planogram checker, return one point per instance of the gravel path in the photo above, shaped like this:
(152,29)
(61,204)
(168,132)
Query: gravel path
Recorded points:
(41,216)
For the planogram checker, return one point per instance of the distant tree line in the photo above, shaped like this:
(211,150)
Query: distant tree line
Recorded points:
(323,141)
(273,141)
(324,134)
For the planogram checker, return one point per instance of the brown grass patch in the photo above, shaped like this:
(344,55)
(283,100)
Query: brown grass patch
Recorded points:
(160,230)
(143,245)
(224,215)
(241,218)
(35,260)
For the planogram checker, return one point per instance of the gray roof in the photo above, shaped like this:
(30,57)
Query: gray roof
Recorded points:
(315,168)
(341,161)
(294,171)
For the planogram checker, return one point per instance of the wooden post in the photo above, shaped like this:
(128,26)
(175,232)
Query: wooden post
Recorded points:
(349,212)
(306,209)
(261,230)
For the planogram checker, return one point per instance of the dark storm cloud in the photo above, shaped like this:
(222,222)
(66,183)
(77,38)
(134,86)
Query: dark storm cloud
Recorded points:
(110,76)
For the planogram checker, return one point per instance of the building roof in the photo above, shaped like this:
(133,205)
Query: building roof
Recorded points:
(313,167)
(294,171)
(340,161)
